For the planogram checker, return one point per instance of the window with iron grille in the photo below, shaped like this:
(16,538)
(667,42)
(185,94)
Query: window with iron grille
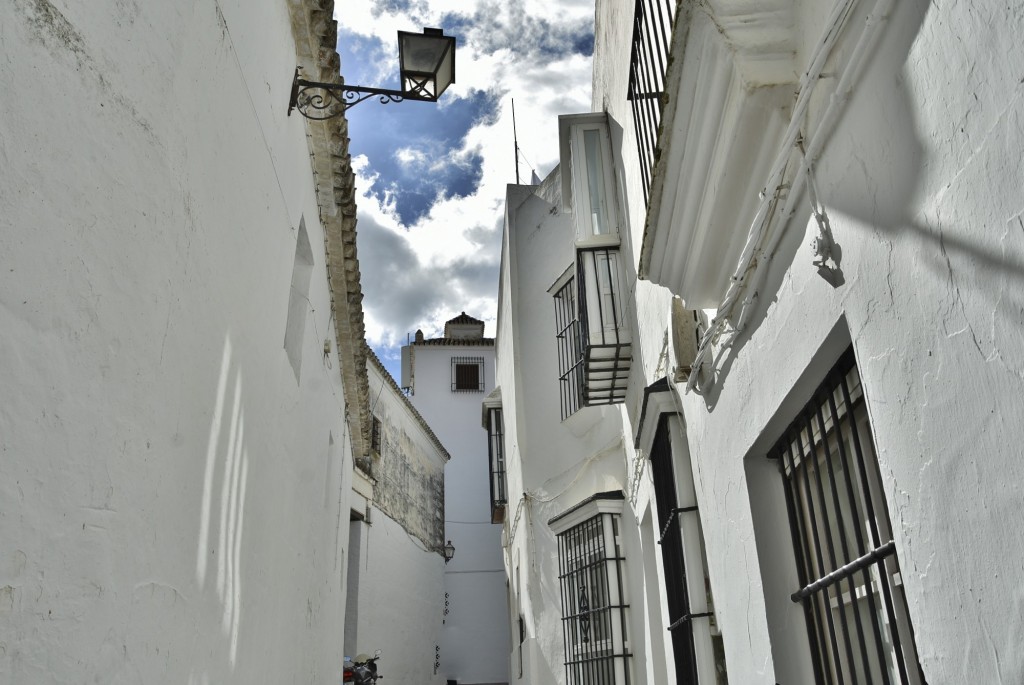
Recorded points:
(495,449)
(653,22)
(605,336)
(376,431)
(851,589)
(695,636)
(593,604)
(570,350)
(592,333)
(680,620)
(467,374)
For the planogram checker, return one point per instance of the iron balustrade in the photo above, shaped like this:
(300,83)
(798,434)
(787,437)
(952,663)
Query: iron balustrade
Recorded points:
(653,22)
(604,331)
(592,334)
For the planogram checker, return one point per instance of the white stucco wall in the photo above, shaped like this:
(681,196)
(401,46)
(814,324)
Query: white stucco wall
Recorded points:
(399,603)
(475,641)
(172,497)
(396,567)
(555,464)
(922,184)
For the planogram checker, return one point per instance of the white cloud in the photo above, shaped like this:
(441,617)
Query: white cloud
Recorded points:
(418,276)
(410,156)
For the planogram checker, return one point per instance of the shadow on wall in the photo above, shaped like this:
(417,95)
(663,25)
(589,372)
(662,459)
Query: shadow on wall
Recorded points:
(227,465)
(877,185)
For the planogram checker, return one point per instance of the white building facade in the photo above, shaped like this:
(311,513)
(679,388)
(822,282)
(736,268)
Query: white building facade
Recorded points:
(820,247)
(396,540)
(181,349)
(447,378)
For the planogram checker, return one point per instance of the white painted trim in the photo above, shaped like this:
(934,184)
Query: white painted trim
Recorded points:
(585,512)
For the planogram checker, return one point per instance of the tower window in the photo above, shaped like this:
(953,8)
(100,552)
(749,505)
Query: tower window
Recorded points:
(467,374)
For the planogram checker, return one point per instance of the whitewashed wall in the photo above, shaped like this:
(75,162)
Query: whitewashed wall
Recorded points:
(922,181)
(399,602)
(171,494)
(554,464)
(475,640)
(396,577)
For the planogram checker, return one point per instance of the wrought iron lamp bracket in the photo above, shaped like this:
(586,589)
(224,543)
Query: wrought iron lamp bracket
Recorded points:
(320,101)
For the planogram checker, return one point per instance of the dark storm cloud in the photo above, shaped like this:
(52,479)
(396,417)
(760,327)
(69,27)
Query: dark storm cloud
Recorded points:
(404,294)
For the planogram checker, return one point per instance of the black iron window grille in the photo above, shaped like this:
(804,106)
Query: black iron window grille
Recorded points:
(653,22)
(570,350)
(496,453)
(851,589)
(467,374)
(669,513)
(593,607)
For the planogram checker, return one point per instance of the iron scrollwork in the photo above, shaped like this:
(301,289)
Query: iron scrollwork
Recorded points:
(320,101)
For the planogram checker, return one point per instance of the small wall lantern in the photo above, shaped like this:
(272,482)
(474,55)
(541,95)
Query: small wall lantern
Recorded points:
(426,69)
(449,552)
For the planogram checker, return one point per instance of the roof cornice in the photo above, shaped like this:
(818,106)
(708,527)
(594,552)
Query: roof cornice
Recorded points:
(316,37)
(375,361)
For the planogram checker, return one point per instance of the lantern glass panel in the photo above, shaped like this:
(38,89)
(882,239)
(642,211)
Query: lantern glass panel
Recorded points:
(427,62)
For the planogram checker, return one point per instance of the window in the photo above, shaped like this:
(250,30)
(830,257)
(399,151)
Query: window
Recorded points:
(376,431)
(496,454)
(467,374)
(697,645)
(588,188)
(604,328)
(592,587)
(851,589)
(592,332)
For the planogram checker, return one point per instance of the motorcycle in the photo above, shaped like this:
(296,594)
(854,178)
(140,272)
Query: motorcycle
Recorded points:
(362,670)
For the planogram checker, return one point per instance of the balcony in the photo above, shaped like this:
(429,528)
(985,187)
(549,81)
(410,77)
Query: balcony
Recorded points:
(593,335)
(723,87)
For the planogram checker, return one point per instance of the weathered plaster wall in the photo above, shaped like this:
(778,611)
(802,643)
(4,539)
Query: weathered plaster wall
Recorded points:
(474,646)
(171,495)
(922,184)
(410,468)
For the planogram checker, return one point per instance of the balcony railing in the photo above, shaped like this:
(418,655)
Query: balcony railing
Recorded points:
(604,330)
(593,335)
(653,21)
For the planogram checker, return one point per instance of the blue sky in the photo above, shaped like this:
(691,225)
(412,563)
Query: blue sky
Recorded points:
(431,178)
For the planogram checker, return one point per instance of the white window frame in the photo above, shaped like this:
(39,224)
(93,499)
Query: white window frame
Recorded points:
(588,165)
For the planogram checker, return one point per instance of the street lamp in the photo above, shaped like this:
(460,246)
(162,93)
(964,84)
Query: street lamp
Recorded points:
(426,68)
(449,552)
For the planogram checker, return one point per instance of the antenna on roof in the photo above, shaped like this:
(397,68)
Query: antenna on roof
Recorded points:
(515,138)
